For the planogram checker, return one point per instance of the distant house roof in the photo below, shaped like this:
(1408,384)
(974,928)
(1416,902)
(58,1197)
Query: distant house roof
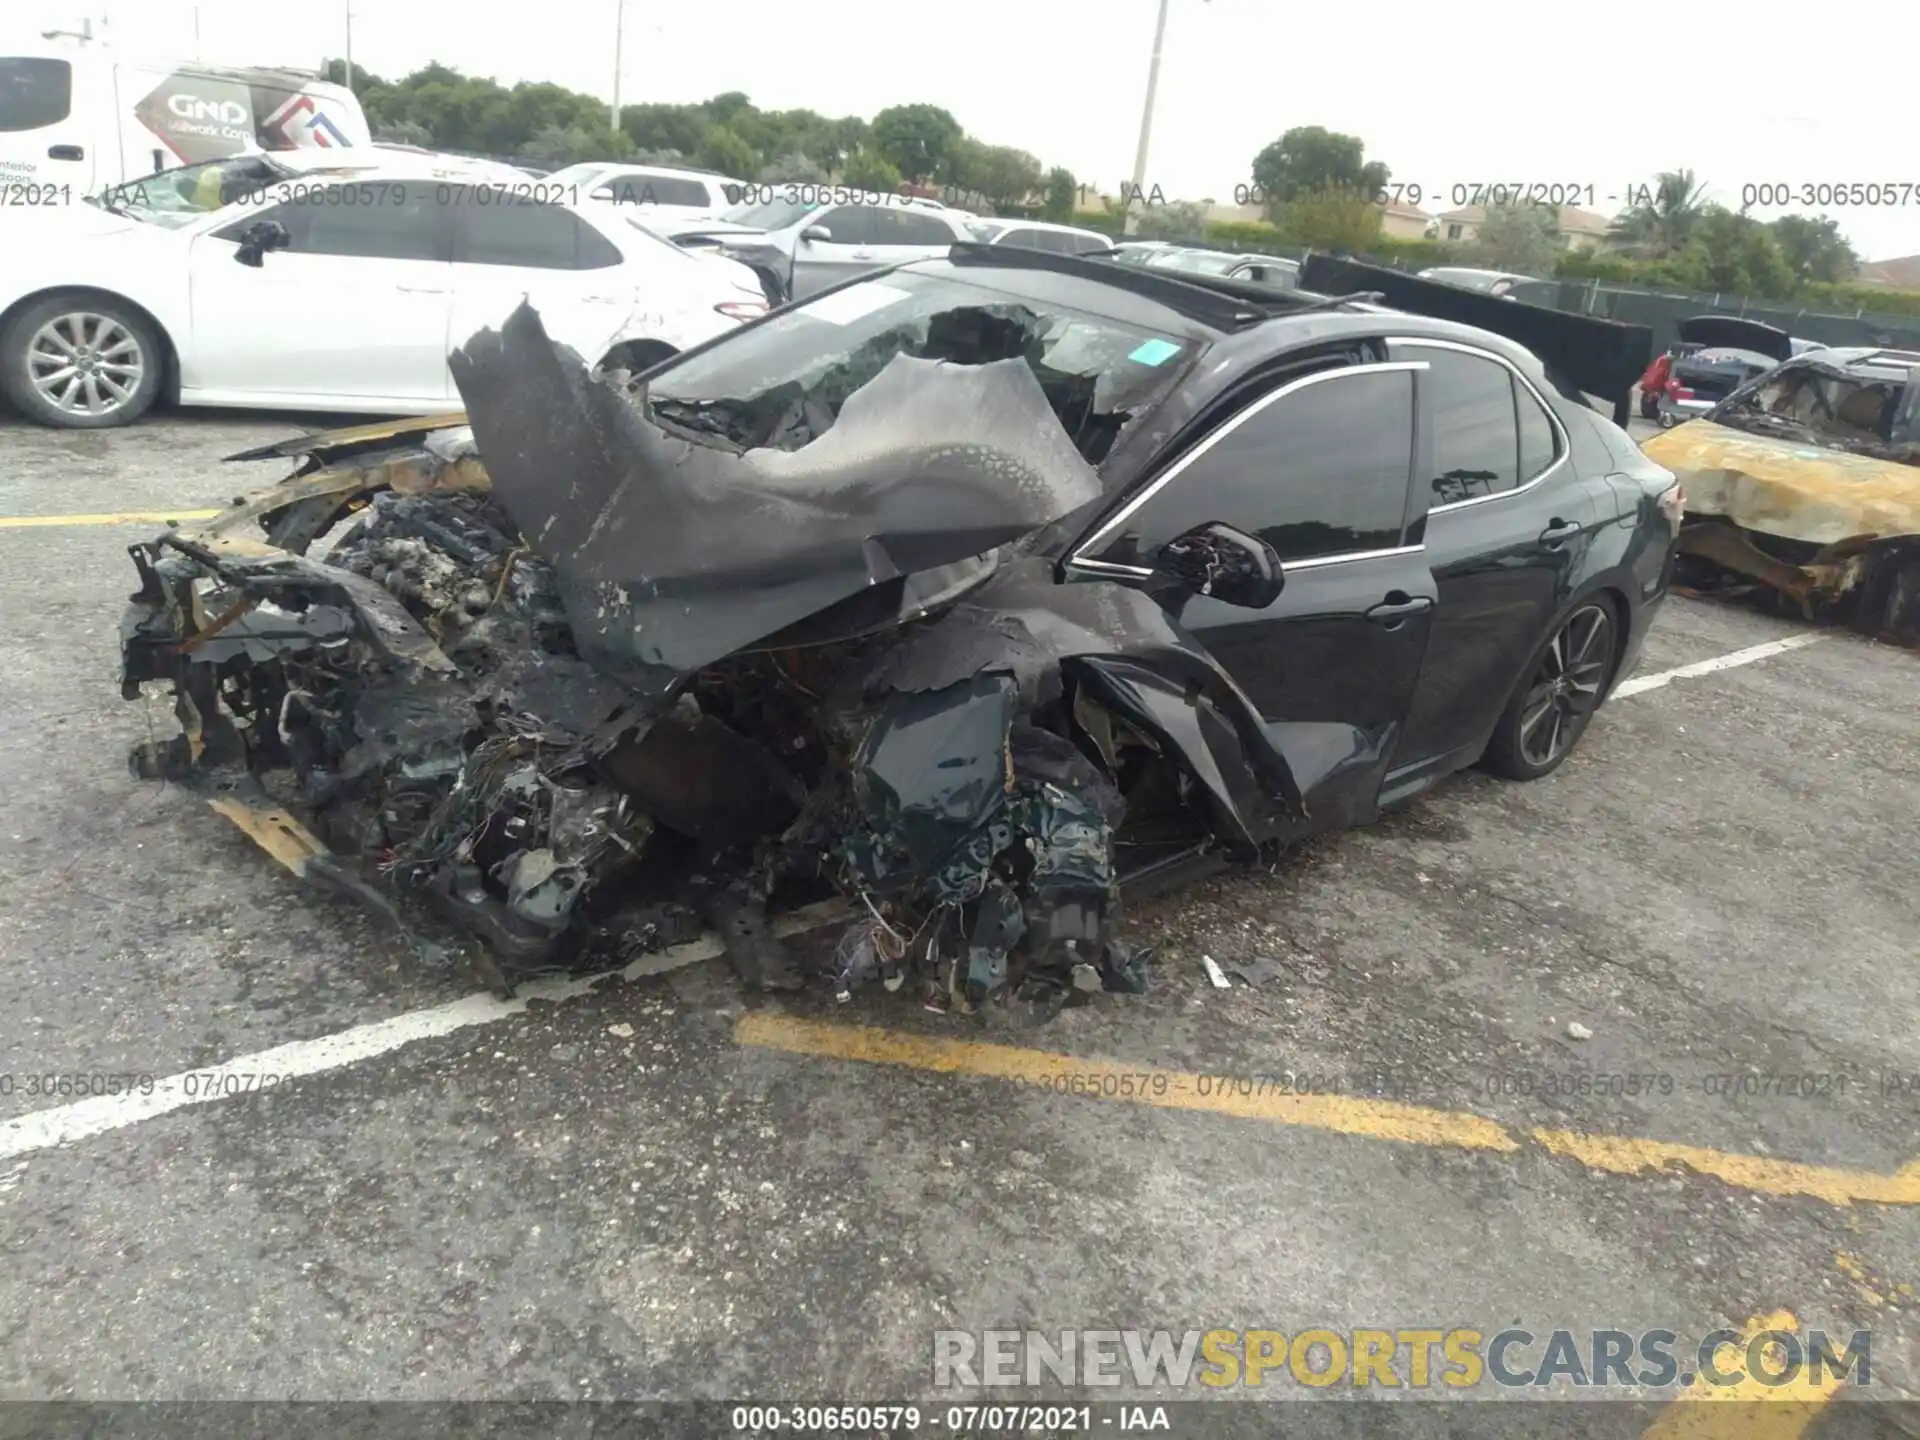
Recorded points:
(1401,210)
(1466,215)
(1575,221)
(1902,273)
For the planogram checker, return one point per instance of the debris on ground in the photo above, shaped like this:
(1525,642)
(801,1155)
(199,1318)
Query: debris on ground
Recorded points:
(1578,1031)
(1261,970)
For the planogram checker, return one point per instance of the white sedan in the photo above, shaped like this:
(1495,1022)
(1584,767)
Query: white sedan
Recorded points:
(328,284)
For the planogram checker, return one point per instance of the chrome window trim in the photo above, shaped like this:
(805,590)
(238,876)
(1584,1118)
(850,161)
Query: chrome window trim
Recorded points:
(1214,437)
(1563,441)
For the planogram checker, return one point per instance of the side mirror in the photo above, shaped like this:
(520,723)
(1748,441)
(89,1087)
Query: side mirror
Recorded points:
(1229,565)
(816,232)
(260,237)
(604,192)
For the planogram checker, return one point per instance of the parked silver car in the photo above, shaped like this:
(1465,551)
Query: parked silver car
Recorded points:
(1260,269)
(822,235)
(1040,235)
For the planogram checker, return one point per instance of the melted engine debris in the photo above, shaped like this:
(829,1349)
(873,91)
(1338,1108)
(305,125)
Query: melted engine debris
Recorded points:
(898,720)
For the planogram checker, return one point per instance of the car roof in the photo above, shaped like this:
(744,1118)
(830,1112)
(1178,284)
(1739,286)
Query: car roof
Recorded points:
(1888,362)
(1052,225)
(1272,318)
(669,171)
(376,162)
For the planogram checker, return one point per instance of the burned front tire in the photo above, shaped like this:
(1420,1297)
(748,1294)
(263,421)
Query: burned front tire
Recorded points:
(1554,702)
(81,361)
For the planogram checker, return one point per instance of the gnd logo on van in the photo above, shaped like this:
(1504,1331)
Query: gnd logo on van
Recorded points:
(204,117)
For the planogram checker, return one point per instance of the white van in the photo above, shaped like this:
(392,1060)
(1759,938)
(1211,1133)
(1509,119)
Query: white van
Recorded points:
(75,118)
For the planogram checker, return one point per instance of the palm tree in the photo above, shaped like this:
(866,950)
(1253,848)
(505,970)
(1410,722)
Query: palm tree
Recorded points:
(1661,224)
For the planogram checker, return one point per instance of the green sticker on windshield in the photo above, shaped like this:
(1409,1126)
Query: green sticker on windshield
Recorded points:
(1154,352)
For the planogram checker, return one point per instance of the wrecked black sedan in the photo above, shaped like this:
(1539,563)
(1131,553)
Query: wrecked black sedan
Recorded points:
(972,593)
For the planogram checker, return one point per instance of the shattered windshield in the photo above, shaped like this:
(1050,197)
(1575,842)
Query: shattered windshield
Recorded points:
(174,197)
(781,383)
(1824,405)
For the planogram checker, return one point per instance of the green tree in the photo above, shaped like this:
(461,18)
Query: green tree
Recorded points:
(1733,255)
(725,108)
(795,168)
(963,170)
(678,128)
(914,139)
(1338,220)
(1008,176)
(869,170)
(1062,194)
(1521,238)
(1662,219)
(1814,249)
(723,151)
(1313,161)
(403,132)
(557,146)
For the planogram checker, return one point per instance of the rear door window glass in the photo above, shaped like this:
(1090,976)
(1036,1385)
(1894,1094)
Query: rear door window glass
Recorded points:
(643,189)
(530,235)
(34,93)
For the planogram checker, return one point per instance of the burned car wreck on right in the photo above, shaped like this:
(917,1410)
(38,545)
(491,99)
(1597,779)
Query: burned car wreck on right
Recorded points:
(1806,479)
(973,593)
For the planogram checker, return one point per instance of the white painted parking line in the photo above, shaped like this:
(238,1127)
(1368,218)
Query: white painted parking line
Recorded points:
(1640,684)
(62,1124)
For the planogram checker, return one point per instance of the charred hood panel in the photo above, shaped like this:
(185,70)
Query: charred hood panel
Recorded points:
(672,553)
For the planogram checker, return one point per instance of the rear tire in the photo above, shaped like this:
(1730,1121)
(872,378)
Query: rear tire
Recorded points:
(81,362)
(1557,696)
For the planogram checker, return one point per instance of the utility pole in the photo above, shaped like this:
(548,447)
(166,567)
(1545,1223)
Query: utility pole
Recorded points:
(1146,119)
(619,26)
(1146,122)
(349,10)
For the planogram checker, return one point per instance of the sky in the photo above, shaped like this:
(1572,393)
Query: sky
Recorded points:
(1476,92)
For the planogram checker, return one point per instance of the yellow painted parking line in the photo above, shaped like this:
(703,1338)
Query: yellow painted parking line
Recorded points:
(1619,1155)
(1073,1075)
(1748,1409)
(122,517)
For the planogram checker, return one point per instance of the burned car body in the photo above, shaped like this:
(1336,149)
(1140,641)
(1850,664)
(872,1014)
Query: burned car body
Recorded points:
(1807,480)
(971,592)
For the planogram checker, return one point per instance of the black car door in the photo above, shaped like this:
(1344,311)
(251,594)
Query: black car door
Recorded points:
(1320,468)
(1508,519)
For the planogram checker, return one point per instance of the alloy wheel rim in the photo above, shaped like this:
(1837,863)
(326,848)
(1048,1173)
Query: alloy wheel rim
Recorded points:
(1566,687)
(85,363)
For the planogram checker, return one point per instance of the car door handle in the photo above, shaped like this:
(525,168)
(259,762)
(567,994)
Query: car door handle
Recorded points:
(66,152)
(863,254)
(419,290)
(1398,606)
(1559,530)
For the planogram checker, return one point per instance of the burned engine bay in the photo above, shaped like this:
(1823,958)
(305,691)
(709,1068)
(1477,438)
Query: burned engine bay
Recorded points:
(582,686)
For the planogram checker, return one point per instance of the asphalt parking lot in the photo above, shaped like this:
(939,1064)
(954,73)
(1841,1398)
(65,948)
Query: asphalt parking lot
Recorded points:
(655,1189)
